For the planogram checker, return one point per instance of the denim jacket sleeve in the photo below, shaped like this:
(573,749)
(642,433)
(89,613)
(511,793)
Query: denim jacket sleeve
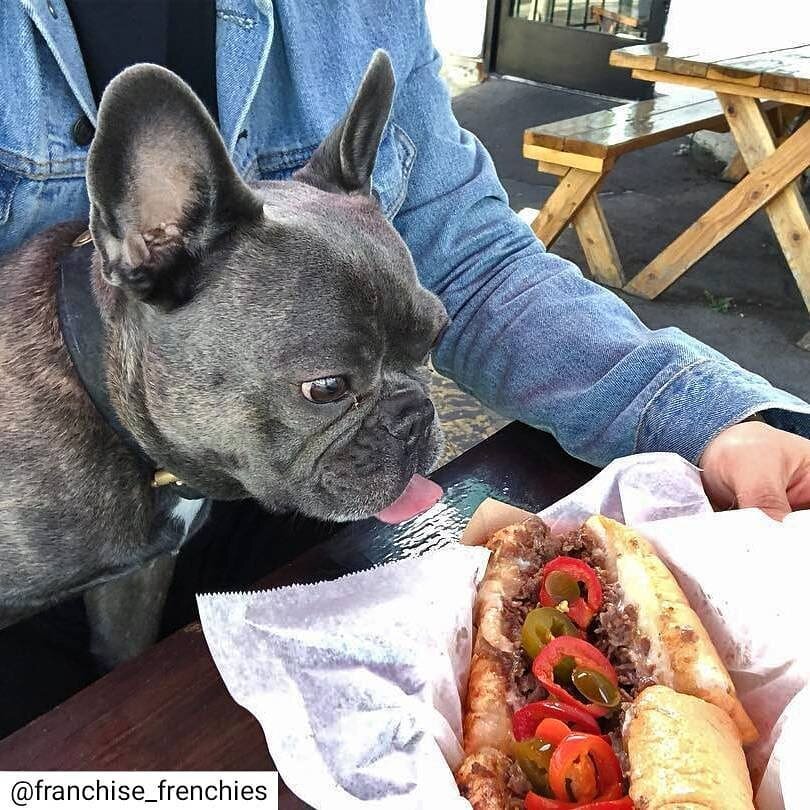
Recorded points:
(530,336)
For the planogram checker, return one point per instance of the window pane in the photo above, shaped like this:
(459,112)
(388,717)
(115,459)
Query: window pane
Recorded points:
(625,18)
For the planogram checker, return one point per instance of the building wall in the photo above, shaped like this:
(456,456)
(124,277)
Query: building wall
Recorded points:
(457,26)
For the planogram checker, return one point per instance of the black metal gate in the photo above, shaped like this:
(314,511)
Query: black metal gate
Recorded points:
(568,42)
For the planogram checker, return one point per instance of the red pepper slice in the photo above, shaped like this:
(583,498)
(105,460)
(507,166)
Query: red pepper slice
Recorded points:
(582,610)
(562,767)
(585,655)
(552,730)
(525,720)
(582,780)
(614,793)
(535,802)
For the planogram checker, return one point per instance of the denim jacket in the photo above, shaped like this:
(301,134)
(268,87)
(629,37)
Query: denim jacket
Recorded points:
(530,337)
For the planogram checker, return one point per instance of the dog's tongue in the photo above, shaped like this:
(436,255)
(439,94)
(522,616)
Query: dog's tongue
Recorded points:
(419,495)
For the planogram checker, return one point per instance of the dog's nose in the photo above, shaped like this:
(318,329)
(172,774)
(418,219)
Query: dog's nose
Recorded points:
(407,417)
(421,424)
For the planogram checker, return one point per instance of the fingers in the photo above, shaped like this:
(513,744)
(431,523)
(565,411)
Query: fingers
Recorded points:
(770,498)
(752,465)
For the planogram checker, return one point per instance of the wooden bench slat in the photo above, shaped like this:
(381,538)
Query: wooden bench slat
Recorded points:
(762,92)
(718,62)
(781,71)
(629,126)
(781,61)
(553,135)
(639,56)
(620,139)
(607,118)
(570,159)
(698,64)
(791,84)
(609,21)
(682,65)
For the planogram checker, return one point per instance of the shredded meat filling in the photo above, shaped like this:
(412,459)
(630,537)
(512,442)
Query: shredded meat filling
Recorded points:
(523,686)
(516,781)
(614,632)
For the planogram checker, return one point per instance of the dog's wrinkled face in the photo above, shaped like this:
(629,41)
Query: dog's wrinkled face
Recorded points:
(268,340)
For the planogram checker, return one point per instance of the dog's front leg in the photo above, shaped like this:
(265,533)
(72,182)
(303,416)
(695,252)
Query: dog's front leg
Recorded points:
(125,613)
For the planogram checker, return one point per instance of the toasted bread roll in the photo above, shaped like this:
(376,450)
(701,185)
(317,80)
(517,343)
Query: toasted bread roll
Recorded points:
(483,780)
(514,555)
(488,719)
(684,753)
(681,652)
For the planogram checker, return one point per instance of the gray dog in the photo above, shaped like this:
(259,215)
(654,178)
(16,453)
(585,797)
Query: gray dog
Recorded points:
(264,341)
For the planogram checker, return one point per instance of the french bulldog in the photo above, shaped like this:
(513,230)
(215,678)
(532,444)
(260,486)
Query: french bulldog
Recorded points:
(265,341)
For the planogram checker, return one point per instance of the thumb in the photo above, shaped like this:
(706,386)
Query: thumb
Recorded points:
(770,497)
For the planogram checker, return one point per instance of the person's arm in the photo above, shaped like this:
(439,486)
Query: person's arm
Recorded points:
(531,337)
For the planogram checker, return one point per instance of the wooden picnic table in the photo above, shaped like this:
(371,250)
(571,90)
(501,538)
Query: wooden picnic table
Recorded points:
(169,710)
(742,82)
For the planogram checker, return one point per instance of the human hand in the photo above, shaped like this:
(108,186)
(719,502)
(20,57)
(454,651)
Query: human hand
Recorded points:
(754,465)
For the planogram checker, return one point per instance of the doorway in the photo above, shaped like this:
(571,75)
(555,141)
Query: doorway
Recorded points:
(568,42)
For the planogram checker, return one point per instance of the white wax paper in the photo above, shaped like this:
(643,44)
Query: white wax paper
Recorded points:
(744,574)
(357,682)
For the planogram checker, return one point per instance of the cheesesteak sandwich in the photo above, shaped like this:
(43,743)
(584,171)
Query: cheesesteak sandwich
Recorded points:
(593,684)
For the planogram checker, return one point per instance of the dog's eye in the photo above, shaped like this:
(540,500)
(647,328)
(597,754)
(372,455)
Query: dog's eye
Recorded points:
(326,389)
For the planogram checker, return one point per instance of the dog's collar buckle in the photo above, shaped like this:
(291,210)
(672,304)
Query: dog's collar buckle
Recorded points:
(163,478)
(84,238)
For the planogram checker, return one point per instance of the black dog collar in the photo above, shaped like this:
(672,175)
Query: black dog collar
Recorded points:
(83,333)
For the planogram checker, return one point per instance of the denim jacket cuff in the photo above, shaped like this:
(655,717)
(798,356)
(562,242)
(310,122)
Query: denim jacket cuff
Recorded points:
(708,396)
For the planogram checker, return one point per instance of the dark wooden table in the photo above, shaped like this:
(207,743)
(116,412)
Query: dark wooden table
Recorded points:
(169,710)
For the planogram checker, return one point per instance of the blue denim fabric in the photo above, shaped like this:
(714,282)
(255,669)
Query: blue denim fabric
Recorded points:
(530,336)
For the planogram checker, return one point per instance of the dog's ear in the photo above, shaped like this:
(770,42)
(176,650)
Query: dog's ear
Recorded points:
(343,162)
(162,187)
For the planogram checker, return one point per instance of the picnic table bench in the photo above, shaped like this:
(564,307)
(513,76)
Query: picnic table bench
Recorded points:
(582,150)
(609,21)
(742,83)
(762,98)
